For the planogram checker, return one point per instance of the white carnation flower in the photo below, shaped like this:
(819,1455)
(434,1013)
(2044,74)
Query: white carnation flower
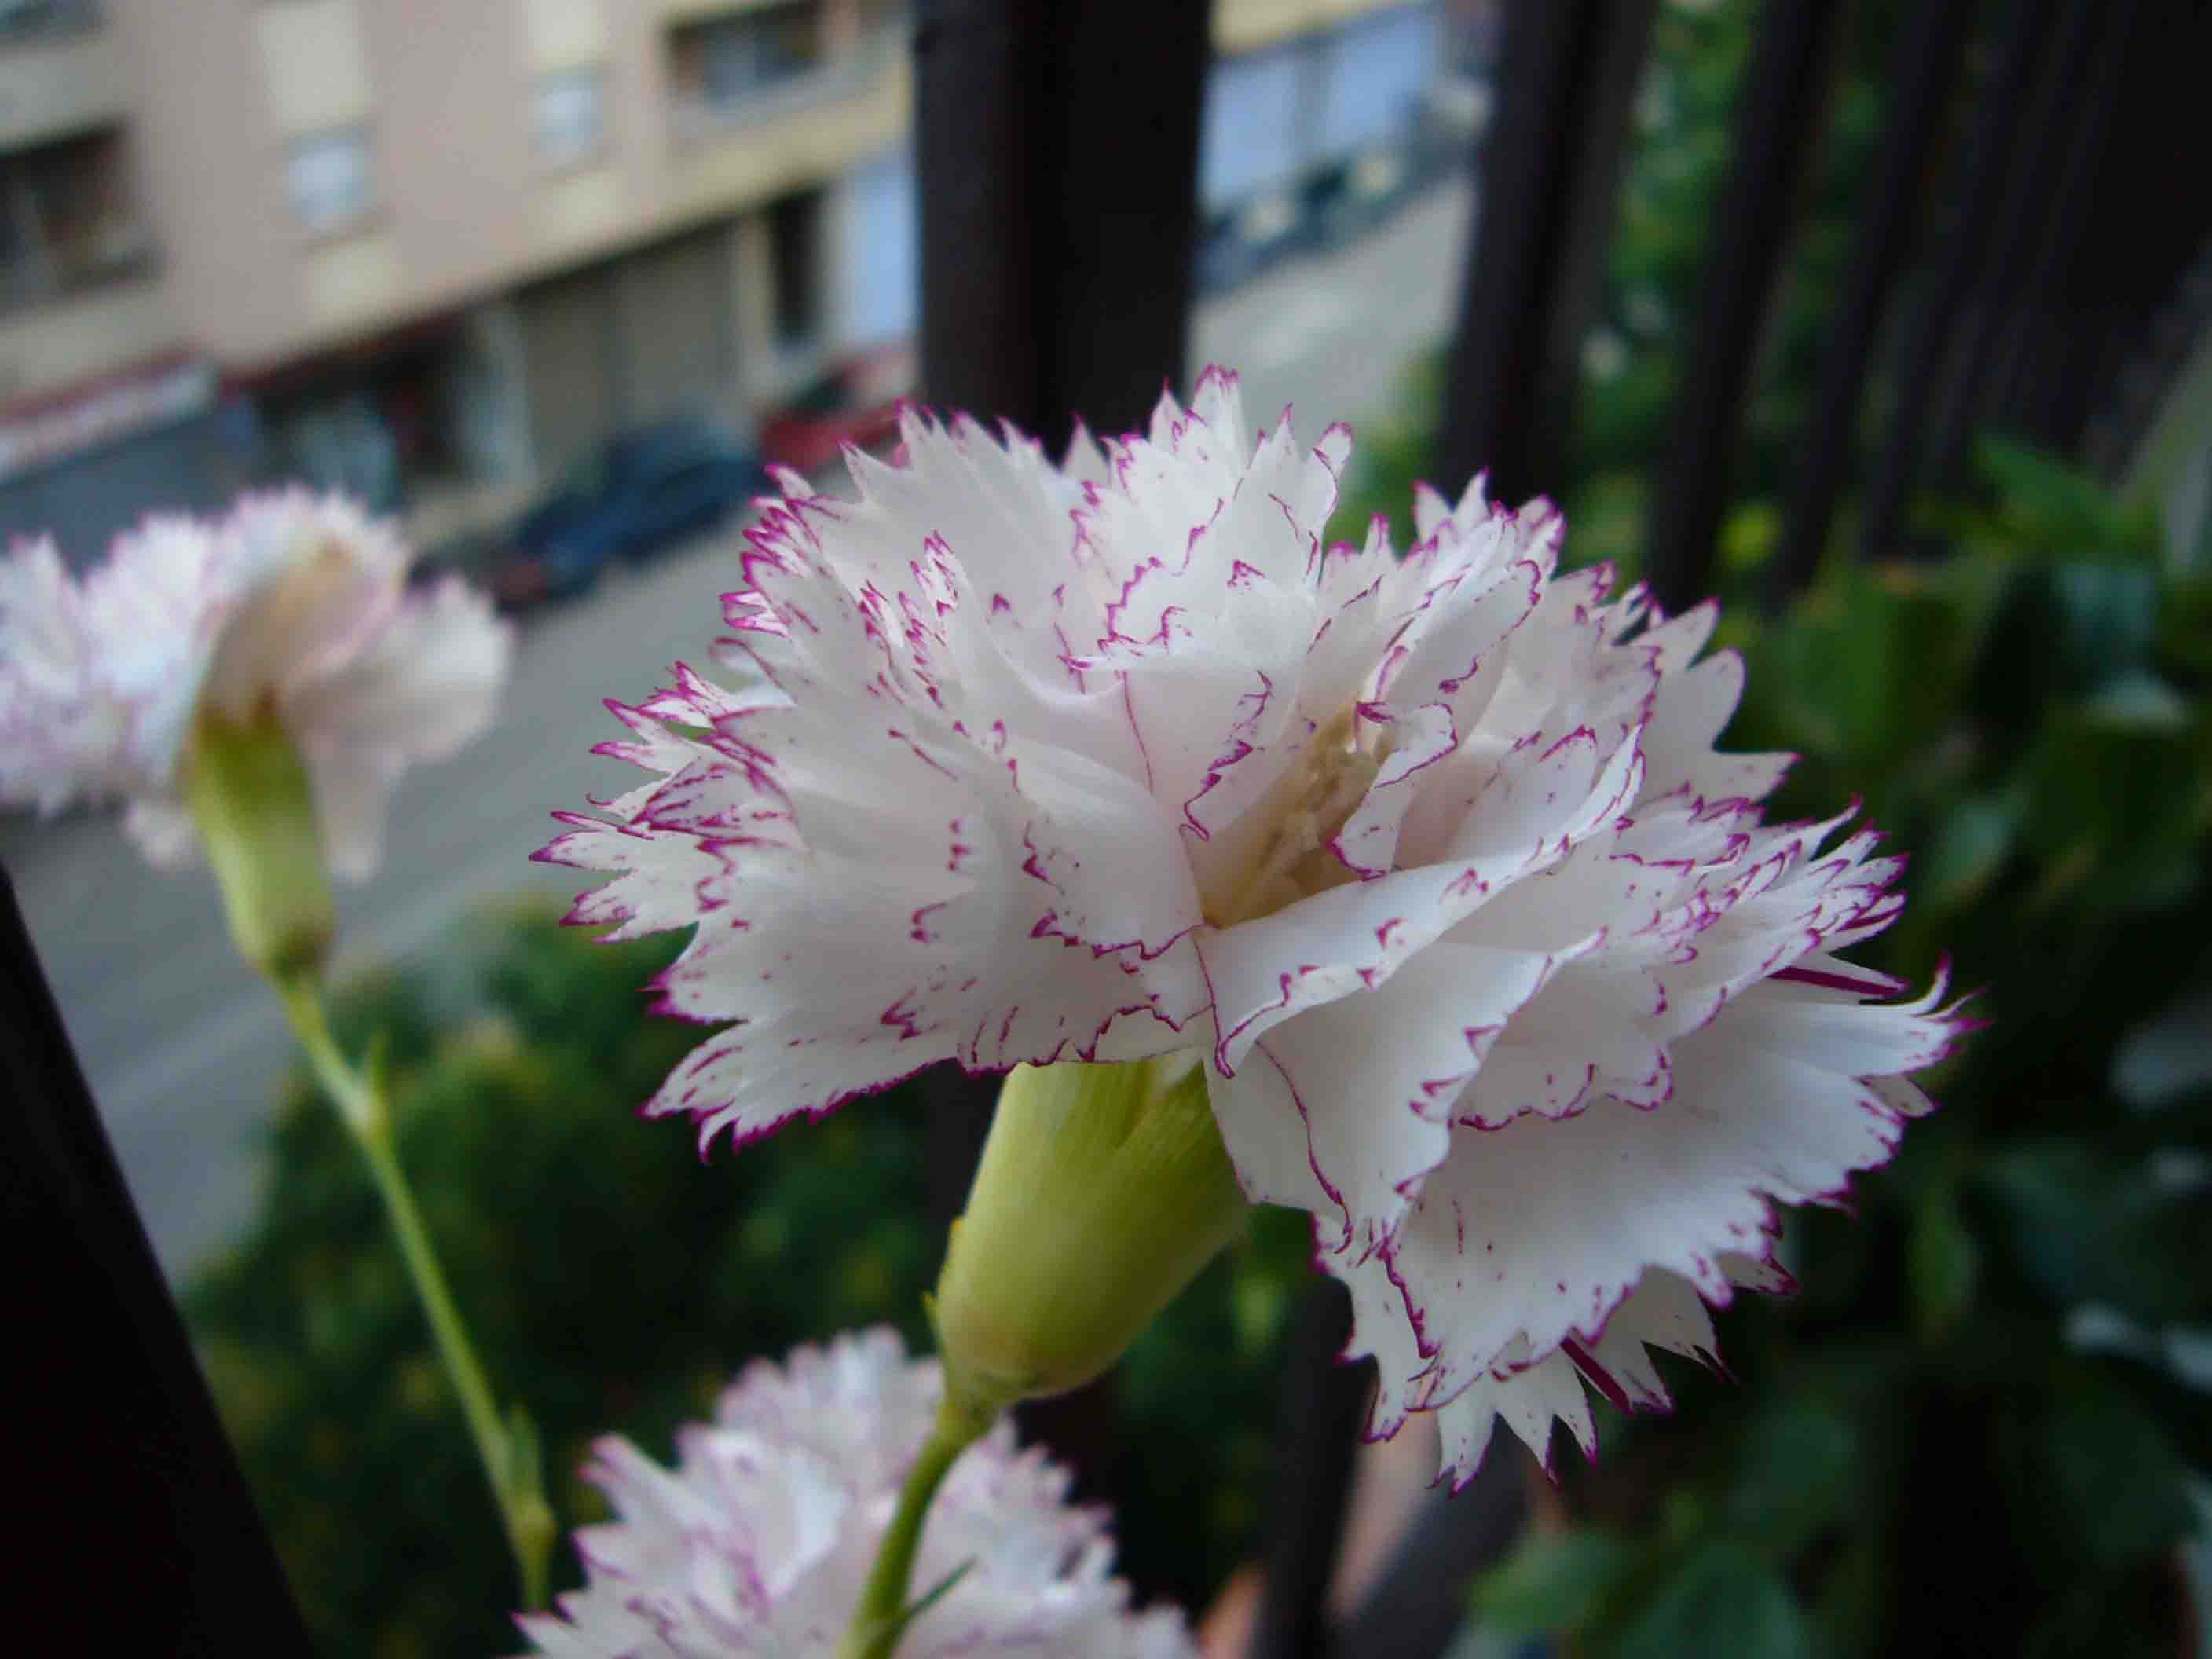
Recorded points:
(295,607)
(759,1540)
(1493,964)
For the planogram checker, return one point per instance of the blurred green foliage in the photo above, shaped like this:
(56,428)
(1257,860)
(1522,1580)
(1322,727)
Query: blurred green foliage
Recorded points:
(614,1283)
(1680,147)
(1974,1430)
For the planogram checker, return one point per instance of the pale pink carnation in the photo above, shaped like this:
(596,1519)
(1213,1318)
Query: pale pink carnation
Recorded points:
(759,1540)
(1493,961)
(297,604)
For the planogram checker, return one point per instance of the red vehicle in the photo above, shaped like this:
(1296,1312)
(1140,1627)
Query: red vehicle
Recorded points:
(857,402)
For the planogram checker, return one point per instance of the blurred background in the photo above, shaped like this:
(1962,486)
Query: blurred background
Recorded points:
(1890,322)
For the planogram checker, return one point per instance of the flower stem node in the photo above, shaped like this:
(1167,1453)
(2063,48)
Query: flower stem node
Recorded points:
(1102,1191)
(247,787)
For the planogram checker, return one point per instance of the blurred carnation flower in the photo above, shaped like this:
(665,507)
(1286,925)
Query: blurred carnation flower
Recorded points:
(1493,964)
(295,607)
(760,1540)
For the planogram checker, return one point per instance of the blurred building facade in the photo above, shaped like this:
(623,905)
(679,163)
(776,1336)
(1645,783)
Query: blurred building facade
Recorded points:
(437,250)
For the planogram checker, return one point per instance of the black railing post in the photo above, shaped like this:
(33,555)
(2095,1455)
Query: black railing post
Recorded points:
(1418,1604)
(2029,387)
(1972,204)
(134,1531)
(2035,159)
(1057,151)
(1324,1401)
(1058,154)
(1775,134)
(1917,98)
(1549,180)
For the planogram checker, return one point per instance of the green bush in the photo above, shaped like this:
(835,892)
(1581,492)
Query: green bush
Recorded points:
(614,1282)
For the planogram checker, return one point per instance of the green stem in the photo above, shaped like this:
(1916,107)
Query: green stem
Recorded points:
(362,1106)
(882,1616)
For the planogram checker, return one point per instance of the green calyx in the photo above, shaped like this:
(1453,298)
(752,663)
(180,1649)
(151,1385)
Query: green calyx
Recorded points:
(1102,1190)
(249,793)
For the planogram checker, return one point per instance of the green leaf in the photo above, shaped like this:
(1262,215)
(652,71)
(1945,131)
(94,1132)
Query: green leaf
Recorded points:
(1942,1261)
(2112,1473)
(2050,506)
(2089,1225)
(1747,537)
(2113,796)
(2108,622)
(1722,1601)
(525,1473)
(1972,841)
(1792,1476)
(1553,1582)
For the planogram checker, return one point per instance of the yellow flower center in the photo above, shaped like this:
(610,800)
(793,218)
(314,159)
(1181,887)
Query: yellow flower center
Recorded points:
(1291,830)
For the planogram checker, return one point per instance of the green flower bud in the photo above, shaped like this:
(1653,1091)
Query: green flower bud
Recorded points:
(1102,1190)
(249,793)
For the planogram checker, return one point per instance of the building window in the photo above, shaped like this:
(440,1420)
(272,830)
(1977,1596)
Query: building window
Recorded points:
(28,20)
(569,110)
(795,243)
(329,176)
(66,216)
(721,66)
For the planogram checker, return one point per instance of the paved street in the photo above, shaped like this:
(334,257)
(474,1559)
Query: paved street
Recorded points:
(183,1046)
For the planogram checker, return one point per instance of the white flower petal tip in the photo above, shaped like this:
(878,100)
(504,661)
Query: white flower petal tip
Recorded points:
(759,1540)
(295,605)
(1499,968)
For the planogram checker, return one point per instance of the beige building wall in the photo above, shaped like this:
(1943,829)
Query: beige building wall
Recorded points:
(465,207)
(1247,25)
(212,94)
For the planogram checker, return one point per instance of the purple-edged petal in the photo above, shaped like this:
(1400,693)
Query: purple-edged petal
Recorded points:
(1341,1111)
(1533,1232)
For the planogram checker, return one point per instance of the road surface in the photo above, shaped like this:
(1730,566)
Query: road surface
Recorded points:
(184,1047)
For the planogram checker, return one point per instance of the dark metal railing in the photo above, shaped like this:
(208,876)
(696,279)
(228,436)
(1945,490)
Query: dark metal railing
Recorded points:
(1057,148)
(136,1533)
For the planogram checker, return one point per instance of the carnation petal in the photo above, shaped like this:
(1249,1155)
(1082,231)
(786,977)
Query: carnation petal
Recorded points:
(1535,1231)
(1341,1111)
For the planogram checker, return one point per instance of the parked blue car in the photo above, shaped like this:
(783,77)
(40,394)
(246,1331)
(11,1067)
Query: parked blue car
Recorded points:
(636,494)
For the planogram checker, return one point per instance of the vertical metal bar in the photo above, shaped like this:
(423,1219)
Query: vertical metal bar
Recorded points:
(1549,182)
(1922,358)
(1324,1401)
(121,1466)
(1057,151)
(1418,1606)
(976,63)
(1775,137)
(1124,97)
(1919,84)
(2041,336)
(2036,156)
(2130,322)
